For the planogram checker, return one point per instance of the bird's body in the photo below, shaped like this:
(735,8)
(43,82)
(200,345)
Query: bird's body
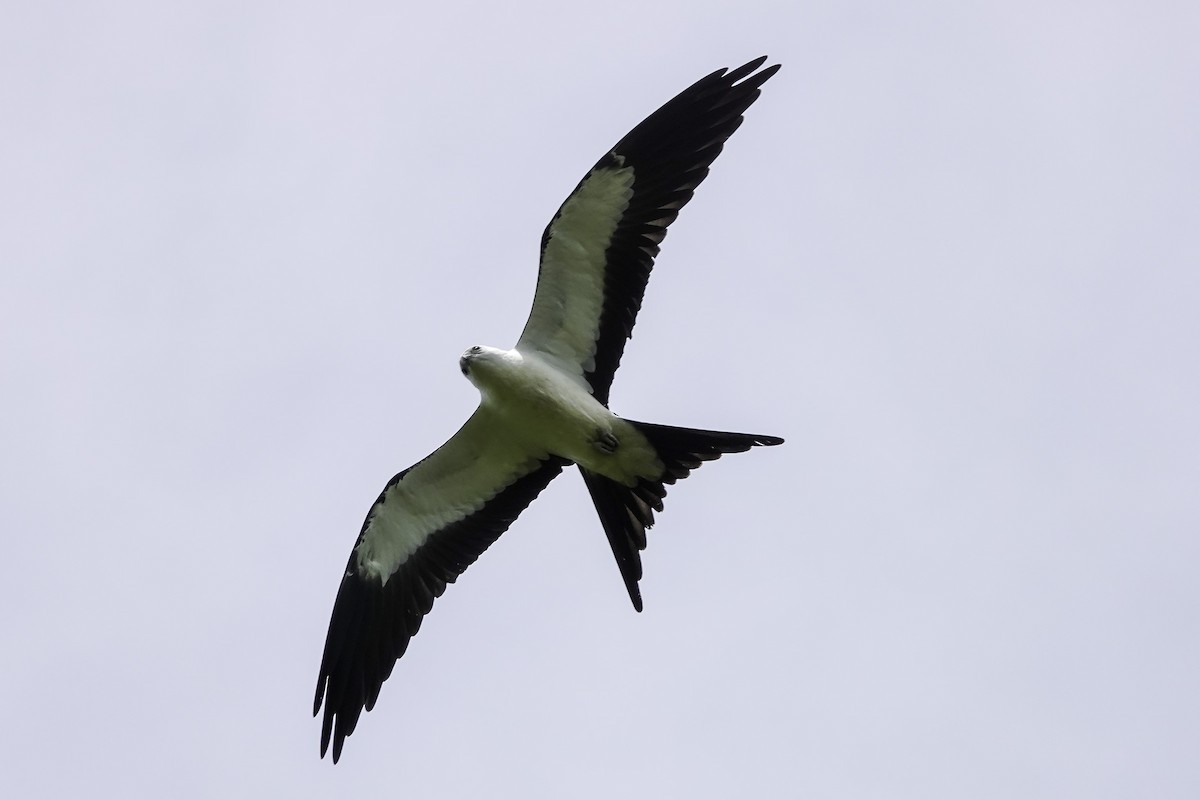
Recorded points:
(547,410)
(543,406)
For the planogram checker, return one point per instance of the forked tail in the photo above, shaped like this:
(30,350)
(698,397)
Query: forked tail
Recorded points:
(626,511)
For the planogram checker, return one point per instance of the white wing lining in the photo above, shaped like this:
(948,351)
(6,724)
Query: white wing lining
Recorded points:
(456,480)
(565,319)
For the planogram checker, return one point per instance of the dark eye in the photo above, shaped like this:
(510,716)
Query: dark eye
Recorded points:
(476,349)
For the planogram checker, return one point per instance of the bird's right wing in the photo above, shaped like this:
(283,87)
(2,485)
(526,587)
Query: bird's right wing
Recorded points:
(598,250)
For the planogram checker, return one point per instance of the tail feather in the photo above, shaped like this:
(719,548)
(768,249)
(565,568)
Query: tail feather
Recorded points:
(627,511)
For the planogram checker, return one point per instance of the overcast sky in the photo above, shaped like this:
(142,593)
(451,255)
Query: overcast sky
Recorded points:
(953,256)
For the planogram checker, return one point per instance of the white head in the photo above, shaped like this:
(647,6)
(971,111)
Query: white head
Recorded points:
(480,363)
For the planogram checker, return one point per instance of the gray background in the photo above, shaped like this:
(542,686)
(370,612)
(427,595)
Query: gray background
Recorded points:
(951,256)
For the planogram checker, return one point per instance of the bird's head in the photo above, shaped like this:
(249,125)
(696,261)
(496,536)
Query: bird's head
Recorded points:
(470,356)
(489,367)
(480,363)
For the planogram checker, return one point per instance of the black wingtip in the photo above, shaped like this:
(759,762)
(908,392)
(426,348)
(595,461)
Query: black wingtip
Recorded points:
(320,696)
(738,73)
(750,68)
(326,731)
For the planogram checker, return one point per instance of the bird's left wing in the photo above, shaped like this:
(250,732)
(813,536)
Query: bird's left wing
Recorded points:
(429,524)
(598,250)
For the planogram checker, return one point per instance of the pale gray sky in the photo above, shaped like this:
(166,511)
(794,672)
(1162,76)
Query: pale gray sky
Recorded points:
(953,255)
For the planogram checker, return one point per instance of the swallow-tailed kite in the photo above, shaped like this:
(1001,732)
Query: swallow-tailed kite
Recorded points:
(544,405)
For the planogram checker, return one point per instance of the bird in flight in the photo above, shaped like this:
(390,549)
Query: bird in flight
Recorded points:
(543,405)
